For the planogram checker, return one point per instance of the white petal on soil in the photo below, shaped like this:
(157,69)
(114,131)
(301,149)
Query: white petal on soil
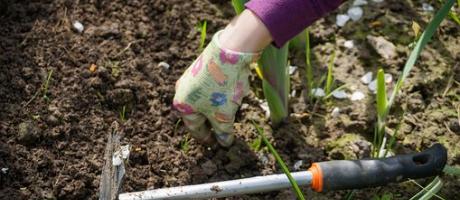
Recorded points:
(427,7)
(355,13)
(125,151)
(116,159)
(244,106)
(318,92)
(342,20)
(264,106)
(4,170)
(78,26)
(356,96)
(292,69)
(339,94)
(373,85)
(297,165)
(165,65)
(367,78)
(359,2)
(388,78)
(349,44)
(293,93)
(335,112)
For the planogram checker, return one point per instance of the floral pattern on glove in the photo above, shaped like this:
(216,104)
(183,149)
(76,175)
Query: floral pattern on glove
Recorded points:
(238,92)
(183,108)
(216,73)
(218,99)
(226,57)
(197,66)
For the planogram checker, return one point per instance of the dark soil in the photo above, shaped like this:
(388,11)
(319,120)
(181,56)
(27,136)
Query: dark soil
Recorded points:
(52,140)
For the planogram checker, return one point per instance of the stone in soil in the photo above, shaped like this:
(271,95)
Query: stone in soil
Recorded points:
(383,47)
(28,133)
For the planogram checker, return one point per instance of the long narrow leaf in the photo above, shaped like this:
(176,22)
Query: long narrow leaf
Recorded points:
(238,5)
(273,63)
(329,79)
(202,35)
(429,191)
(308,69)
(280,161)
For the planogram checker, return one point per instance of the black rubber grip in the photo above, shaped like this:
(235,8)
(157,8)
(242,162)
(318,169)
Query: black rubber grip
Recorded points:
(355,174)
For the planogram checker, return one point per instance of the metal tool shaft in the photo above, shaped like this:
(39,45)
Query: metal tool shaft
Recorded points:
(222,189)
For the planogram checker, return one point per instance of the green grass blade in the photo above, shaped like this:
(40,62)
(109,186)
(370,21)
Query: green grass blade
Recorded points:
(203,35)
(308,69)
(381,95)
(429,191)
(330,78)
(280,162)
(238,5)
(421,43)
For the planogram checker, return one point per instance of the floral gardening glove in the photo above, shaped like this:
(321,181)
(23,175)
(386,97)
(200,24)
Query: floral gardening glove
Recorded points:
(212,89)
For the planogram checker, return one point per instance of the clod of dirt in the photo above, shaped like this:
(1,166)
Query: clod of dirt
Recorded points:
(349,146)
(209,167)
(454,125)
(28,133)
(239,156)
(384,48)
(120,97)
(108,29)
(52,120)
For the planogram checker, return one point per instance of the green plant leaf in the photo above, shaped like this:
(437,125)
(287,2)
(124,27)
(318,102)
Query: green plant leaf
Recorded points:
(202,35)
(308,69)
(280,162)
(330,77)
(429,191)
(273,63)
(238,6)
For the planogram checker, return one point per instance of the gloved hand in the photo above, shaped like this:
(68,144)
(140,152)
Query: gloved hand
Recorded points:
(212,89)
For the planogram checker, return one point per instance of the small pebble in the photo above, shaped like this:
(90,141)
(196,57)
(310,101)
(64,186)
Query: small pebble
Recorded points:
(293,93)
(164,65)
(349,44)
(244,106)
(339,94)
(373,85)
(78,26)
(367,78)
(342,20)
(388,78)
(359,2)
(335,112)
(318,92)
(427,7)
(356,96)
(297,165)
(4,170)
(264,106)
(355,13)
(292,69)
(378,1)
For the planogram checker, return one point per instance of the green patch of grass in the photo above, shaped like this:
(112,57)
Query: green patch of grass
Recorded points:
(114,67)
(386,196)
(185,143)
(46,85)
(122,114)
(256,144)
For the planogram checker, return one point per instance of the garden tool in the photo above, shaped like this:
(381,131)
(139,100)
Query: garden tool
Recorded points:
(321,176)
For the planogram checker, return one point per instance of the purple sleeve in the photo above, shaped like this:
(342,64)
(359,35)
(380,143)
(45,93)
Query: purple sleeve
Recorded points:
(286,18)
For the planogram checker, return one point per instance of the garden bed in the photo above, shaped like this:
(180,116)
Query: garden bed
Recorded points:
(52,141)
